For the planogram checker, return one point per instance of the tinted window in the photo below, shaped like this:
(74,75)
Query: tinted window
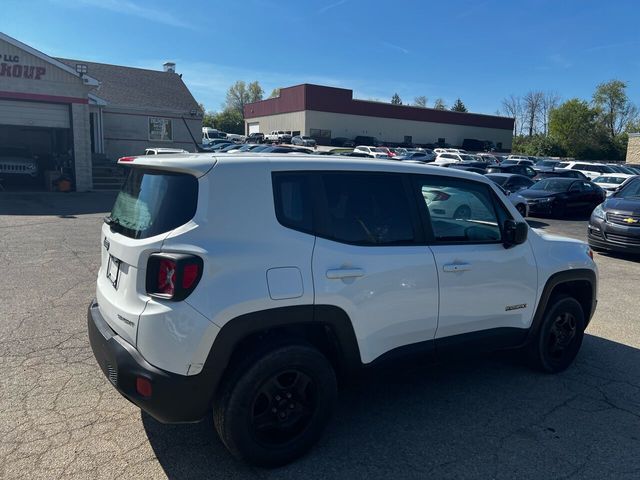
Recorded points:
(459,211)
(367,209)
(632,189)
(552,185)
(154,202)
(292,197)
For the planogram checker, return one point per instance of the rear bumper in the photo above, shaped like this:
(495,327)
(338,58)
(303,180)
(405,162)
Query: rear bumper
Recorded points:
(174,399)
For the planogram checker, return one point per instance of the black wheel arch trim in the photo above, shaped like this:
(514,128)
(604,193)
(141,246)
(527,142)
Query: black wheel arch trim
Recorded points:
(240,328)
(557,279)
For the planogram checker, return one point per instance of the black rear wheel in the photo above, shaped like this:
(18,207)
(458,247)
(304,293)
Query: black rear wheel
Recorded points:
(273,408)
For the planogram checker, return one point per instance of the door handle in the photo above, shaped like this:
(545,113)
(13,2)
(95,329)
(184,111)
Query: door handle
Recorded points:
(344,273)
(456,267)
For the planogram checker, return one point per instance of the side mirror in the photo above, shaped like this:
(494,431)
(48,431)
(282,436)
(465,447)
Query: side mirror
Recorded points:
(514,233)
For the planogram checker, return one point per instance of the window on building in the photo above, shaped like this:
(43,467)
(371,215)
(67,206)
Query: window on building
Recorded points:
(160,129)
(319,133)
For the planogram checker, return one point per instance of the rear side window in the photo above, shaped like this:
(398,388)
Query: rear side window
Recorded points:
(292,197)
(154,202)
(367,209)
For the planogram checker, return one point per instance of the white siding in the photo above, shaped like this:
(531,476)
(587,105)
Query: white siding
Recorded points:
(254,127)
(34,114)
(394,130)
(293,121)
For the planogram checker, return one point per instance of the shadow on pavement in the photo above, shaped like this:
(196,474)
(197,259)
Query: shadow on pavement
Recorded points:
(487,418)
(63,205)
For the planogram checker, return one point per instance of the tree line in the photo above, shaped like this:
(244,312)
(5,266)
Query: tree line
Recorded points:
(596,129)
(438,104)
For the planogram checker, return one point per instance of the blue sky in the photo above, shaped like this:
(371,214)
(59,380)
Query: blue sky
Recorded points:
(480,51)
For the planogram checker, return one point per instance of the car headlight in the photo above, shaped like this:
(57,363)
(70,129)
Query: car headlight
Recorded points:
(598,212)
(546,200)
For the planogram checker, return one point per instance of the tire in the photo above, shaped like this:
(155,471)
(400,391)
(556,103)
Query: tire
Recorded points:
(462,212)
(522,210)
(559,337)
(275,406)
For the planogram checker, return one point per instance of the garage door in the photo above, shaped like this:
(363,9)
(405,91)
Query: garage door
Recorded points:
(34,114)
(254,128)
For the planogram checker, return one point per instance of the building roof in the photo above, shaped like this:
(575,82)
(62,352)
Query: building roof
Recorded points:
(138,88)
(340,100)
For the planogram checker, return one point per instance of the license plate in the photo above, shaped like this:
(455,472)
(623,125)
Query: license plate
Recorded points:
(113,270)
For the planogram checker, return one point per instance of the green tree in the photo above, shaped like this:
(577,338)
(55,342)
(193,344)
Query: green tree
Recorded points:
(439,104)
(574,128)
(539,145)
(458,106)
(240,93)
(275,93)
(395,100)
(420,101)
(615,110)
(207,117)
(229,120)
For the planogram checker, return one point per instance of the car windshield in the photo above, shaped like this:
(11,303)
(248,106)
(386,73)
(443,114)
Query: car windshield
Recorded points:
(547,163)
(467,158)
(500,180)
(631,190)
(552,185)
(616,180)
(510,162)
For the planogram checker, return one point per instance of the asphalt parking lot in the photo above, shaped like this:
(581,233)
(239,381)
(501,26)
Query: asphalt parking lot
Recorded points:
(487,418)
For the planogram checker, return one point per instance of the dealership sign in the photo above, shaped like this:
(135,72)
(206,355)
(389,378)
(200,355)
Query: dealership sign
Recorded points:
(10,66)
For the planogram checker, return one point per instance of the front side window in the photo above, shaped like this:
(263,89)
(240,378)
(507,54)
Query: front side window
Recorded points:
(370,209)
(631,190)
(459,211)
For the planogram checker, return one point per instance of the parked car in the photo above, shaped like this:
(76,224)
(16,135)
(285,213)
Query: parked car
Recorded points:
(615,224)
(510,181)
(621,169)
(164,151)
(591,170)
(17,161)
(439,151)
(209,134)
(303,141)
(610,182)
(278,136)
(364,140)
(546,165)
(247,147)
(255,137)
(488,158)
(559,173)
(467,167)
(452,157)
(518,201)
(197,311)
(525,170)
(216,141)
(415,156)
(342,142)
(219,146)
(560,196)
(518,161)
(374,152)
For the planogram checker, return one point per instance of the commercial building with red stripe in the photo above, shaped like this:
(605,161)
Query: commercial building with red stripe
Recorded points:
(327,112)
(75,118)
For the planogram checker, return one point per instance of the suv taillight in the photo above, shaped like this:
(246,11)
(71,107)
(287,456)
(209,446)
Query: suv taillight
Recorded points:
(173,276)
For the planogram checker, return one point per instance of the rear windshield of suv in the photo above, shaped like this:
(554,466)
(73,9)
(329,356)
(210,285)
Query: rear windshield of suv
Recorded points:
(154,202)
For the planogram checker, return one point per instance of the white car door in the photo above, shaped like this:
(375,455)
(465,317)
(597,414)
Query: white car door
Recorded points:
(483,285)
(370,259)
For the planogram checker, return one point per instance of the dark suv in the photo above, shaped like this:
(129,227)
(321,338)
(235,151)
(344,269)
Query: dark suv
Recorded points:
(615,224)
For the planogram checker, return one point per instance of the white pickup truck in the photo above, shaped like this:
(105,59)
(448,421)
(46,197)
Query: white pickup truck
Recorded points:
(278,136)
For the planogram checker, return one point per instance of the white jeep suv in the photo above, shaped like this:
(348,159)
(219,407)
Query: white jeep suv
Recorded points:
(247,283)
